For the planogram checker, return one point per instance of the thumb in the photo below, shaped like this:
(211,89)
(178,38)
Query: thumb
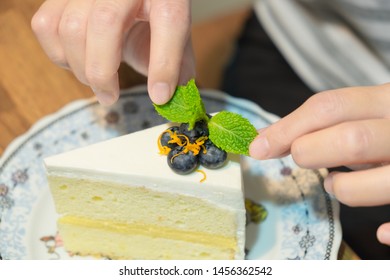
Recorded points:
(170,26)
(383,234)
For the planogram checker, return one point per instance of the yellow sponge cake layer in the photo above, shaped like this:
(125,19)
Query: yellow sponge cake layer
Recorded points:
(134,241)
(97,200)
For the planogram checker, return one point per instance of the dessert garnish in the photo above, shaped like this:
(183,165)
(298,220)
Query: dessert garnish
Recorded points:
(200,138)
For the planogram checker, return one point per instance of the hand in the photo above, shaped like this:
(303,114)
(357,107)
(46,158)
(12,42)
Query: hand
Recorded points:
(92,37)
(343,127)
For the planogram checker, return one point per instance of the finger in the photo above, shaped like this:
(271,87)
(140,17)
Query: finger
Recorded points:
(170,31)
(350,143)
(136,48)
(45,24)
(383,234)
(187,69)
(136,52)
(361,188)
(72,33)
(322,110)
(109,21)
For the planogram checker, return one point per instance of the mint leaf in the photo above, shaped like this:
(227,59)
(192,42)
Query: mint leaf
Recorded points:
(231,132)
(186,106)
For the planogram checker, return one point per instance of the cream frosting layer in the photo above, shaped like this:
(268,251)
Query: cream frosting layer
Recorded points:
(100,242)
(213,240)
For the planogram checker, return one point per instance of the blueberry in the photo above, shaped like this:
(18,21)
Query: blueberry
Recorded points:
(182,163)
(166,137)
(200,129)
(214,157)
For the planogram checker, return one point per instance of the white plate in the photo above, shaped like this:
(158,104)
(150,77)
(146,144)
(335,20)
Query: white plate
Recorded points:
(302,221)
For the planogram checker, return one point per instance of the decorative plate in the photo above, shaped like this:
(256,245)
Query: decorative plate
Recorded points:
(302,221)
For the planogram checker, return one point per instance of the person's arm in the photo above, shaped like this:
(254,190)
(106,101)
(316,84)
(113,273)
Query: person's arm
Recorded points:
(343,127)
(91,38)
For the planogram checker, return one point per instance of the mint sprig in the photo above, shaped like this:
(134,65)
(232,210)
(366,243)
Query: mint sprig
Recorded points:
(229,131)
(186,106)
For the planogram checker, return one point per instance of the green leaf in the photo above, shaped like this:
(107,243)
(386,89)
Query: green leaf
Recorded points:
(186,106)
(231,132)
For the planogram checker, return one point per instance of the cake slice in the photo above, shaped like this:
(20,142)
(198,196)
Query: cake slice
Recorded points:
(119,199)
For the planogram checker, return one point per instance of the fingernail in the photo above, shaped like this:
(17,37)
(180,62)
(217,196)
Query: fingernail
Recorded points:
(104,98)
(259,148)
(160,93)
(384,234)
(328,183)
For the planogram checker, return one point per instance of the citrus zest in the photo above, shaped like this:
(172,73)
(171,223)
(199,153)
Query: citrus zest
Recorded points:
(195,147)
(204,175)
(175,138)
(178,154)
(164,150)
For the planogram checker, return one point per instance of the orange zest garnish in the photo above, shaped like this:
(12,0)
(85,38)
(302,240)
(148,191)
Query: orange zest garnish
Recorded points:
(195,147)
(178,139)
(164,150)
(182,152)
(204,175)
(175,138)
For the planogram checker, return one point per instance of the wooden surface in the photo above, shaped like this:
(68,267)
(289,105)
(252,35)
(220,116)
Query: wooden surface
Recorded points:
(32,87)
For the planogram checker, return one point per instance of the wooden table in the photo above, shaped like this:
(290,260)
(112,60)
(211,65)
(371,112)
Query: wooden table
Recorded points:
(32,87)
